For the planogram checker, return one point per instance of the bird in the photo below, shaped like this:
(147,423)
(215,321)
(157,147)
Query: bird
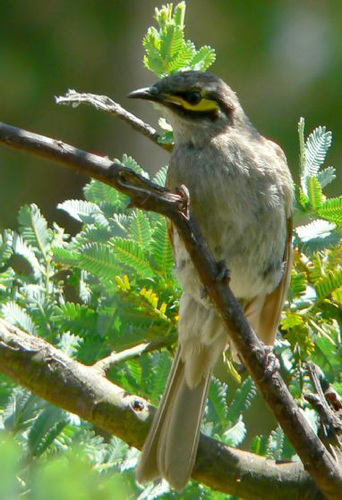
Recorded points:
(241,194)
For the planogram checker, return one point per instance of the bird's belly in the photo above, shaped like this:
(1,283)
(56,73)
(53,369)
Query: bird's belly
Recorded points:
(242,229)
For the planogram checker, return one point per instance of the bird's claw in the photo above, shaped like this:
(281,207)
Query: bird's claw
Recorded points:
(184,194)
(272,364)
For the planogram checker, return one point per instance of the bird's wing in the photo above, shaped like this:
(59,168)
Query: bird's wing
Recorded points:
(264,313)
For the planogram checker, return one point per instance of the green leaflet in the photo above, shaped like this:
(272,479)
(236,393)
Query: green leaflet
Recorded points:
(275,444)
(160,177)
(140,229)
(329,283)
(34,229)
(45,429)
(326,176)
(242,400)
(130,253)
(6,249)
(235,434)
(315,194)
(218,401)
(332,210)
(100,260)
(167,50)
(161,248)
(16,315)
(82,211)
(316,148)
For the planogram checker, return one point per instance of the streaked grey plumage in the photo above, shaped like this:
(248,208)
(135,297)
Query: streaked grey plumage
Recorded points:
(241,193)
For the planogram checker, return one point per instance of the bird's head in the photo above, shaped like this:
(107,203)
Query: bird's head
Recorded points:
(194,102)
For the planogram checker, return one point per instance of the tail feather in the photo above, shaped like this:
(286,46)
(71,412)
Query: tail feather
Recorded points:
(171,447)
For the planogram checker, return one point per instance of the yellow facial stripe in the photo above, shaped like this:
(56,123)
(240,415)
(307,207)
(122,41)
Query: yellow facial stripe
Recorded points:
(203,105)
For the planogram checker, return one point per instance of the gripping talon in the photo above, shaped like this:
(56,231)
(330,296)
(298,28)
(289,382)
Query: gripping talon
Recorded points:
(183,192)
(272,364)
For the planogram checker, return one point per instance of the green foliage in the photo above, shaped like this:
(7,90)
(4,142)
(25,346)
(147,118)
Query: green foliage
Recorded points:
(167,51)
(111,287)
(312,319)
(311,201)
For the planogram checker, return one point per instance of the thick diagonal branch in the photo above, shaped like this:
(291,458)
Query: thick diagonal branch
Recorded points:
(149,196)
(82,390)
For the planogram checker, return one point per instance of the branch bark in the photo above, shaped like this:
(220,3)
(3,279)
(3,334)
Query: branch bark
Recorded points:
(149,196)
(109,106)
(82,390)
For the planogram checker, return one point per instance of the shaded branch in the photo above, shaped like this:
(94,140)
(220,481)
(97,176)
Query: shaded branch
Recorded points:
(82,390)
(149,196)
(106,104)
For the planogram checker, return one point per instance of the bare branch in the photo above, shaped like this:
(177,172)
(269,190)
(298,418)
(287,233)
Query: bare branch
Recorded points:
(103,365)
(106,104)
(82,390)
(149,196)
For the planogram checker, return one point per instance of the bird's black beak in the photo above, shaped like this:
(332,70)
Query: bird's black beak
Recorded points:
(148,93)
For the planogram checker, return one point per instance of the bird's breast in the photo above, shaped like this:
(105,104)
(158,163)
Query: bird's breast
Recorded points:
(241,212)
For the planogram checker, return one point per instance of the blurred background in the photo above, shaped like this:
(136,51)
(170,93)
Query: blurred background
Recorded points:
(283,58)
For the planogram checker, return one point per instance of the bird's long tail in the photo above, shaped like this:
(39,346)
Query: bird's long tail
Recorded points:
(171,446)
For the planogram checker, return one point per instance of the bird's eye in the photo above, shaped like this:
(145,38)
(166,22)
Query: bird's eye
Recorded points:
(193,98)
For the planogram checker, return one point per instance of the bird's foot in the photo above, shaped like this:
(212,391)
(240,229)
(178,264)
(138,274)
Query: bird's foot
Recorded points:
(183,192)
(272,364)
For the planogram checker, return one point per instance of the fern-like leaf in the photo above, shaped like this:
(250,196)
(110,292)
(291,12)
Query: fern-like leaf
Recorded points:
(275,444)
(130,253)
(34,229)
(21,248)
(317,235)
(140,229)
(6,249)
(69,343)
(242,400)
(100,260)
(17,316)
(78,317)
(46,427)
(218,400)
(331,210)
(161,248)
(82,211)
(20,410)
(184,57)
(316,148)
(129,162)
(99,193)
(66,256)
(160,177)
(331,282)
(326,176)
(314,191)
(235,435)
(203,59)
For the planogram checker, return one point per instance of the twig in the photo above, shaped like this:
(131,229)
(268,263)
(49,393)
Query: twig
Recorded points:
(149,196)
(106,104)
(103,365)
(80,389)
(330,430)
